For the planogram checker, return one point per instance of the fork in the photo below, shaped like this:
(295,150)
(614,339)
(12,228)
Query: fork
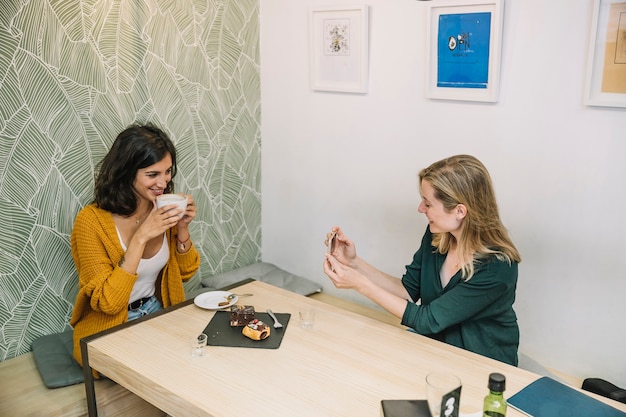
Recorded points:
(276,322)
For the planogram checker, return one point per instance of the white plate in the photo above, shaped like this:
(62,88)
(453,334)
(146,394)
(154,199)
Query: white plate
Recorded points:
(211,299)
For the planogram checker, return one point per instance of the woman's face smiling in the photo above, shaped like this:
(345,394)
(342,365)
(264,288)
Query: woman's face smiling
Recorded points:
(439,219)
(150,182)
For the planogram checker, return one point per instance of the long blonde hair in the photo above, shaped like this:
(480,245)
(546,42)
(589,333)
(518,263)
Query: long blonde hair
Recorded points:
(463,179)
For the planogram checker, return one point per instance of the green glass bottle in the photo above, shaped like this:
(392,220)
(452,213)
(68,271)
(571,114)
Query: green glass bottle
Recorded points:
(494,404)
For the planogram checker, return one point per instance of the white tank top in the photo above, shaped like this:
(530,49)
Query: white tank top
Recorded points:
(148,270)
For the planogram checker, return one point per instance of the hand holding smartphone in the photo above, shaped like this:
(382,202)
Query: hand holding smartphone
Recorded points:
(331,242)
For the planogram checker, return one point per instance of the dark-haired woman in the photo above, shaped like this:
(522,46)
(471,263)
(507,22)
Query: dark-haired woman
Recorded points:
(131,257)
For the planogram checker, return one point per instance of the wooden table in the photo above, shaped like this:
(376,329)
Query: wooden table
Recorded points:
(344,366)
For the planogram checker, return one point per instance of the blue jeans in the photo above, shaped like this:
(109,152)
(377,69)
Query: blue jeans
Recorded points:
(152,305)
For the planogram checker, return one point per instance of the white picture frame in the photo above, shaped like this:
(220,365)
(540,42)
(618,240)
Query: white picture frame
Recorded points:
(605,83)
(340,48)
(464,43)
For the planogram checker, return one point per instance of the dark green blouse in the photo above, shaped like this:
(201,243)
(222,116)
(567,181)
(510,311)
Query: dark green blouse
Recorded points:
(476,315)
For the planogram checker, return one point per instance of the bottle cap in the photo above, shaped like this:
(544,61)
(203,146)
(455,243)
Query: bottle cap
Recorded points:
(497,382)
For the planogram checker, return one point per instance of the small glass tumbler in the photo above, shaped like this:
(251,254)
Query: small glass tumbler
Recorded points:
(197,345)
(307,318)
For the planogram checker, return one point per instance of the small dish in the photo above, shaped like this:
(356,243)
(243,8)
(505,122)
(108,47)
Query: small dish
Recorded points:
(211,300)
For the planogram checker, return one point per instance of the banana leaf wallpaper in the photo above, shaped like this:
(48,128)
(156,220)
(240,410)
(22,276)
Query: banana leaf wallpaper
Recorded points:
(73,74)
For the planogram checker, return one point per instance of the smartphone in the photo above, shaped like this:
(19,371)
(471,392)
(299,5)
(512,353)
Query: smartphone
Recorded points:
(331,242)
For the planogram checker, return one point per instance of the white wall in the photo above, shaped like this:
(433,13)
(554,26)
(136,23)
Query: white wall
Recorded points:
(558,166)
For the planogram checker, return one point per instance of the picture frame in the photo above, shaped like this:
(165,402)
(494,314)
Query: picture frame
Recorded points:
(464,42)
(605,83)
(340,48)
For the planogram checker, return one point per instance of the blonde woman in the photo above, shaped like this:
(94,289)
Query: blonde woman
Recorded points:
(464,274)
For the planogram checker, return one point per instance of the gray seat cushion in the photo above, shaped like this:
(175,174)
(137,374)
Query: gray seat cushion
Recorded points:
(55,362)
(264,272)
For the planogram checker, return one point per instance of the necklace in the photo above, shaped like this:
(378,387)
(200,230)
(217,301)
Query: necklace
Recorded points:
(139,219)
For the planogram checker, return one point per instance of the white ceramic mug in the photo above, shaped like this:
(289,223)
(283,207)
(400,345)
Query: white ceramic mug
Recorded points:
(167,199)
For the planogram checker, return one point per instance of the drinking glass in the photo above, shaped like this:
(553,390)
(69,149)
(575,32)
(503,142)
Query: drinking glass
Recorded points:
(443,391)
(307,318)
(197,345)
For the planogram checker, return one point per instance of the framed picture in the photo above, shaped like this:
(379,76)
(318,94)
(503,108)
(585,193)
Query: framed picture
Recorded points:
(464,42)
(339,49)
(606,64)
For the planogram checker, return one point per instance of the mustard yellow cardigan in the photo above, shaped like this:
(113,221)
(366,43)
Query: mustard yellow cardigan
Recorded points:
(104,288)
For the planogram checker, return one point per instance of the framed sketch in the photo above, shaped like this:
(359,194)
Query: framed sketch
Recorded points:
(339,49)
(464,43)
(606,64)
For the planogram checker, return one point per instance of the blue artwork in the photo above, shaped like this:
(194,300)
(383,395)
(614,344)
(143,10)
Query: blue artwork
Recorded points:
(463,50)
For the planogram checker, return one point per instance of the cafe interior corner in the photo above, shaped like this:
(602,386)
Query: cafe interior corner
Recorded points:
(274,162)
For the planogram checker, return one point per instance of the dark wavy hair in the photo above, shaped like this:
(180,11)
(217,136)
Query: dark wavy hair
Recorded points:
(135,148)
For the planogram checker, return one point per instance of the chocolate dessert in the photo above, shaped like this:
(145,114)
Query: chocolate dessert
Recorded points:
(241,315)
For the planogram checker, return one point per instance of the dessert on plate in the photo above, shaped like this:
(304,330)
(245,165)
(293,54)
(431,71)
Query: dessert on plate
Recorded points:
(256,330)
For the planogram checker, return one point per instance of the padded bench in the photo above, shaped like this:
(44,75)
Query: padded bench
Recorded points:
(260,271)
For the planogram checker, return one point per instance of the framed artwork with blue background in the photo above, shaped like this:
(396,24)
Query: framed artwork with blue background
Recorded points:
(464,43)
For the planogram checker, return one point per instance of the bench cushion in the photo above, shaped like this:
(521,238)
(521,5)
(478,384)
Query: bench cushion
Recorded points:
(56,365)
(265,272)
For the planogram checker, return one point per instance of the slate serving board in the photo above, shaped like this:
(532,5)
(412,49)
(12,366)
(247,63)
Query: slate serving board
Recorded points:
(220,333)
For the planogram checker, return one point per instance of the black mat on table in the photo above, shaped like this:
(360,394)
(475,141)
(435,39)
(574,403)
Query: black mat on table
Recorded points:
(220,333)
